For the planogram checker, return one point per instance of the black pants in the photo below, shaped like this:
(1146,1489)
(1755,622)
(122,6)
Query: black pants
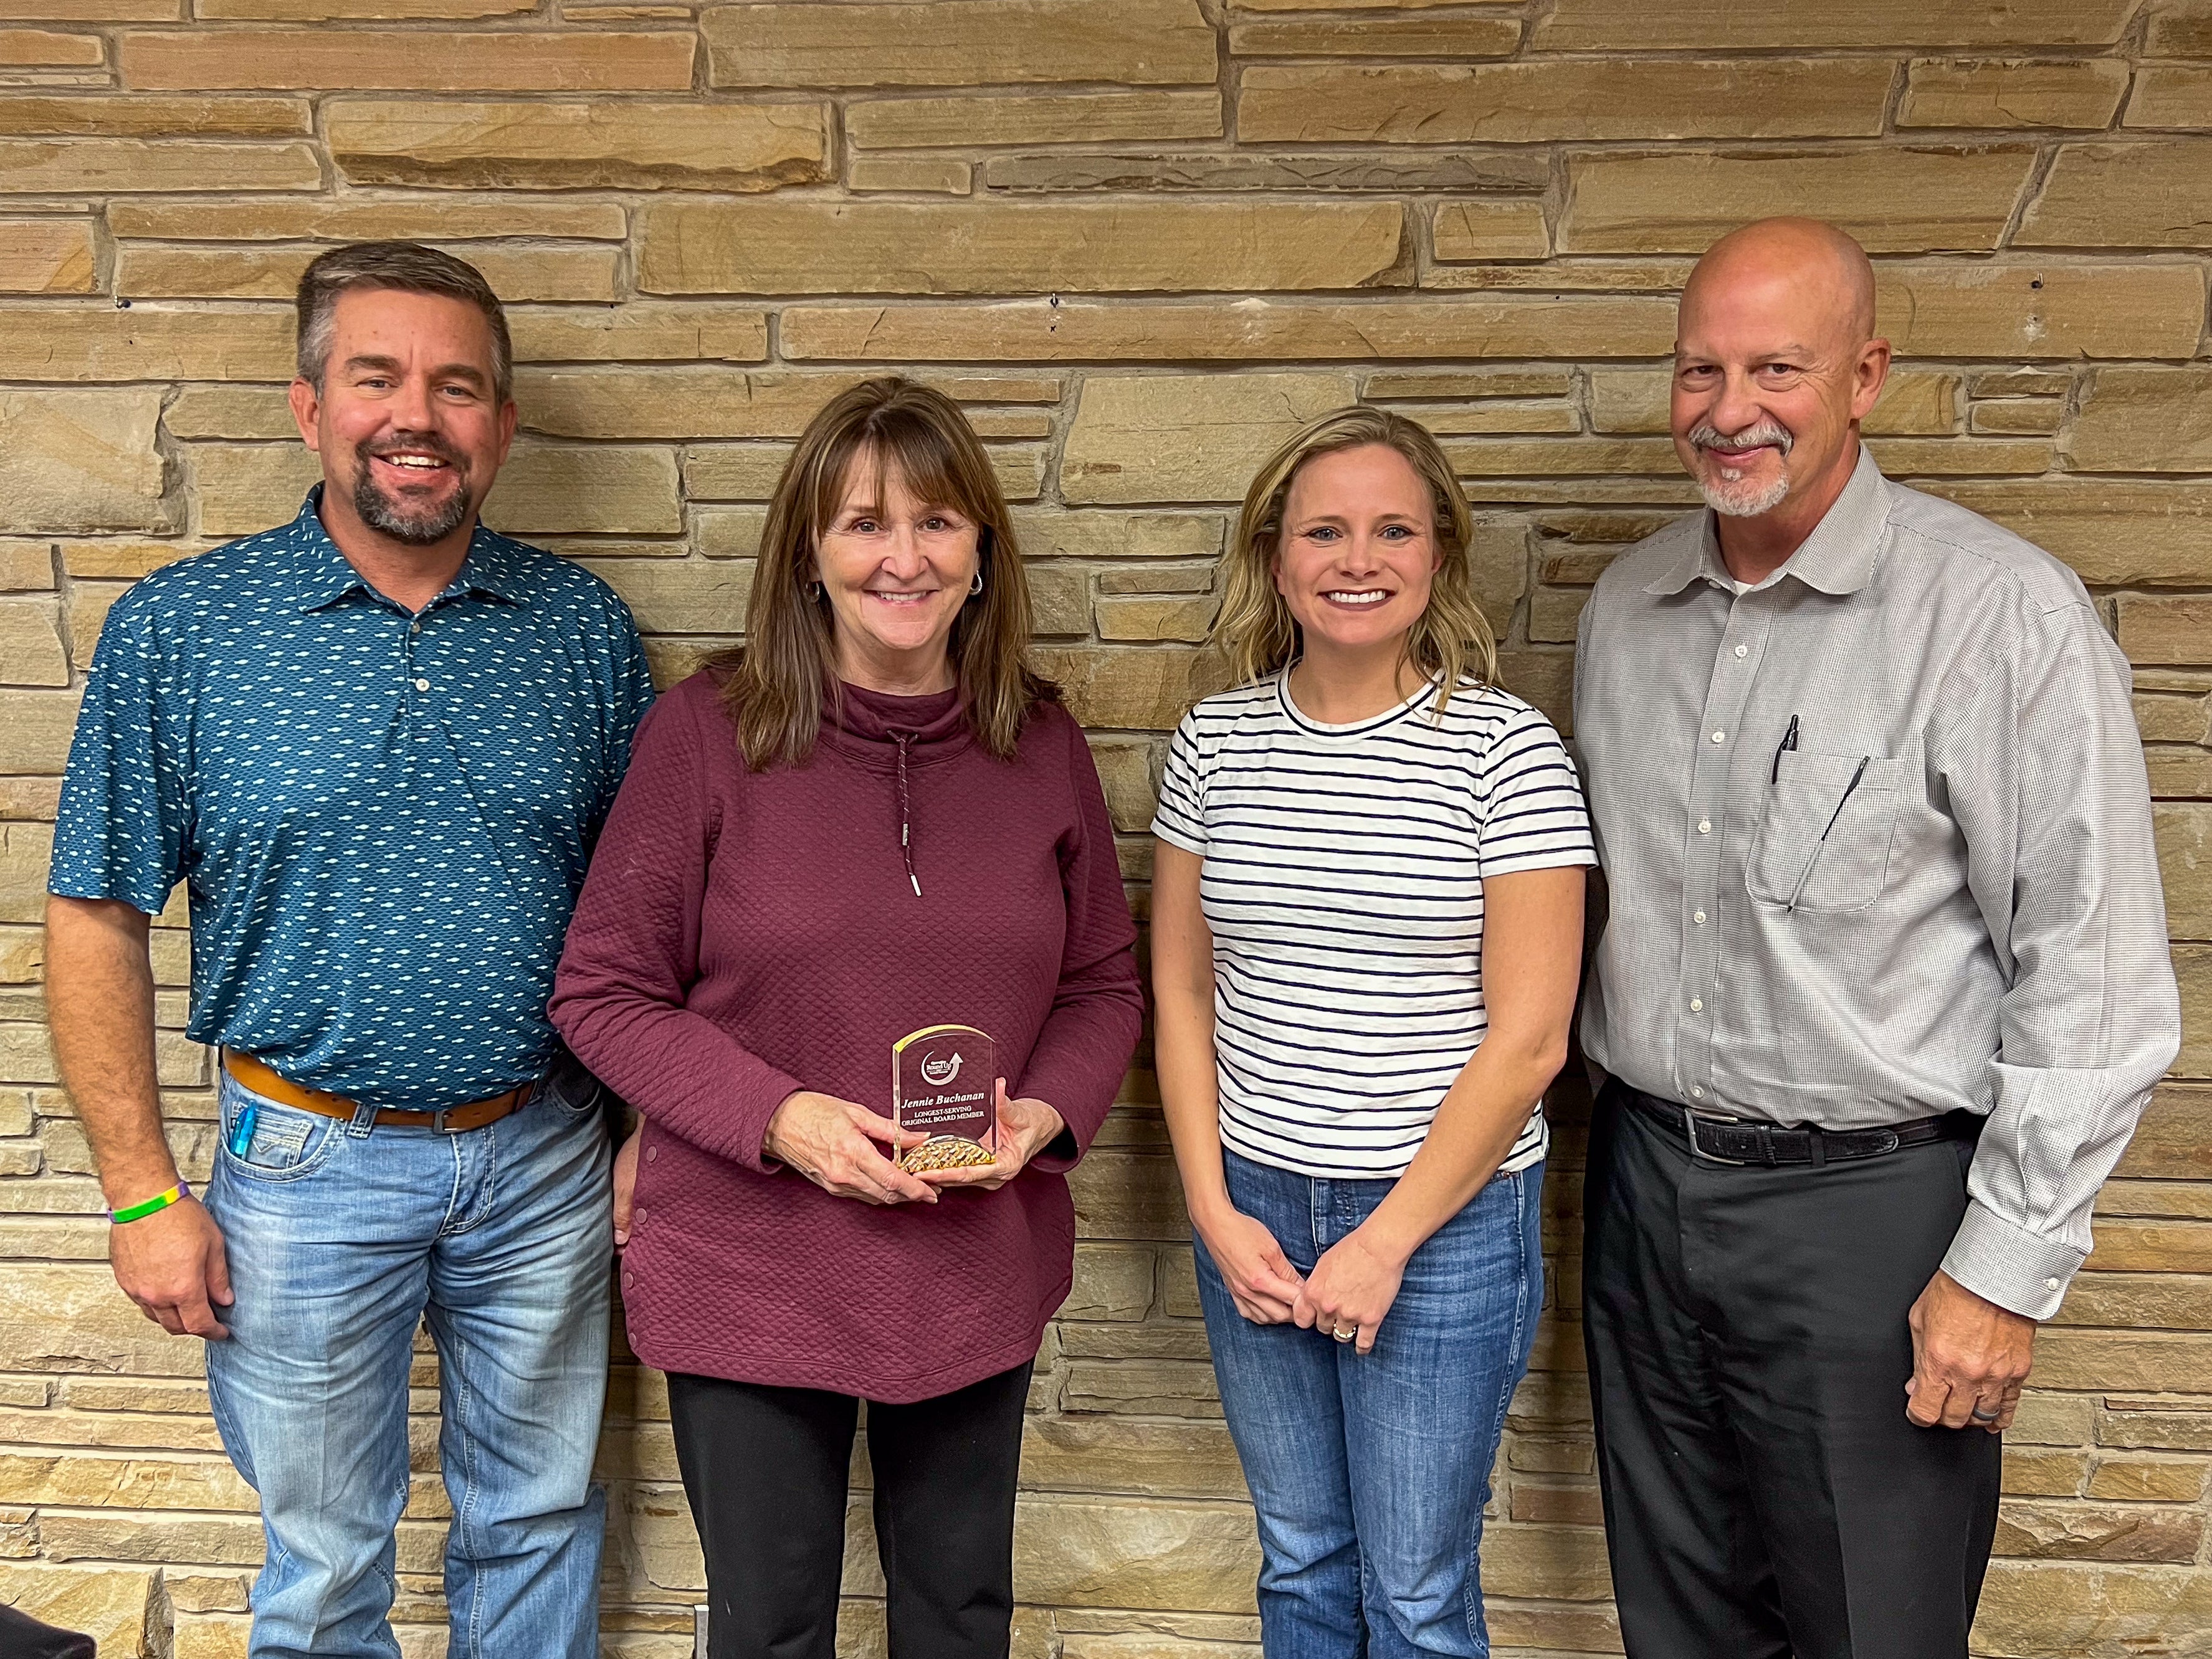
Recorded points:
(1765,1494)
(767,1471)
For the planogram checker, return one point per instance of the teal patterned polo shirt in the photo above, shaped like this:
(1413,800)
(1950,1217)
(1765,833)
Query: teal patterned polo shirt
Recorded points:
(382,820)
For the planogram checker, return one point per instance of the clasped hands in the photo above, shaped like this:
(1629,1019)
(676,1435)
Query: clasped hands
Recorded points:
(1349,1289)
(834,1144)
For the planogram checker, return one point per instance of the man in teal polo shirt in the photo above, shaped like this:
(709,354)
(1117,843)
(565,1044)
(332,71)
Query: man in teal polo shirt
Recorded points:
(376,745)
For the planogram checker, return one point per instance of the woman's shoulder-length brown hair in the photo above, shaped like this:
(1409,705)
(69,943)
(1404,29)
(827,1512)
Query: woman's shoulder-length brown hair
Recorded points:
(1254,634)
(775,686)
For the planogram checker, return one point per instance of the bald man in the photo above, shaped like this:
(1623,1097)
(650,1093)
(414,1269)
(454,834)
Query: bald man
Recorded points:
(1883,990)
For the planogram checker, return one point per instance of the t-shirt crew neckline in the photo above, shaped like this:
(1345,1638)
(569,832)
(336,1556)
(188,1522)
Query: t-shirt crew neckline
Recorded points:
(1305,722)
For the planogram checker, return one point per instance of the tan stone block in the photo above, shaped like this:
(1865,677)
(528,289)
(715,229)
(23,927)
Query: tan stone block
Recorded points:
(1144,617)
(103,115)
(1042,118)
(73,460)
(394,60)
(230,412)
(984,43)
(1498,560)
(1424,384)
(997,248)
(74,1319)
(1496,417)
(1923,458)
(2050,1608)
(723,147)
(90,11)
(1556,1504)
(1149,1387)
(729,532)
(641,331)
(1035,330)
(2022,416)
(123,559)
(741,472)
(2144,420)
(2193,967)
(550,488)
(673,403)
(1631,26)
(1490,230)
(1555,1628)
(118,1608)
(94,1393)
(1982,93)
(267,273)
(2180,1200)
(1955,310)
(26,851)
(1553,613)
(1564,1564)
(1545,679)
(1124,1196)
(2115,532)
(2038,1473)
(2020,383)
(2185,864)
(26,565)
(2166,1430)
(1059,534)
(2148,1480)
(31,643)
(83,167)
(1377,37)
(61,343)
(680,595)
(1103,1552)
(90,1481)
(2122,195)
(2171,96)
(1176,437)
(1563,277)
(1514,458)
(2173,1301)
(2166,630)
(938,175)
(2179,29)
(320,11)
(364,219)
(2080,1532)
(2179,774)
(2131,1359)
(1360,169)
(1915,402)
(1112,1281)
(1895,199)
(43,48)
(1589,98)
(1059,600)
(47,255)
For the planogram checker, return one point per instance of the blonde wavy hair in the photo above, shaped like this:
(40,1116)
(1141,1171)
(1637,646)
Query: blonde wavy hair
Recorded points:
(1254,634)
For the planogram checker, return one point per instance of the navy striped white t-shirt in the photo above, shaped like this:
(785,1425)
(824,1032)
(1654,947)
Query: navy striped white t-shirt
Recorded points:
(1343,883)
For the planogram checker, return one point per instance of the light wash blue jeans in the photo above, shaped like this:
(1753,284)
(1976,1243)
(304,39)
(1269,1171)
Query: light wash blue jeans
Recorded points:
(1369,1472)
(340,1241)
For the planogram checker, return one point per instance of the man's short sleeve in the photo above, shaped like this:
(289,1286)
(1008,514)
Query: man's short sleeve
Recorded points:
(121,833)
(1534,817)
(1180,819)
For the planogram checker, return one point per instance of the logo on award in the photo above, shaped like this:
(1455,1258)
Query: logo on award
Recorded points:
(937,1091)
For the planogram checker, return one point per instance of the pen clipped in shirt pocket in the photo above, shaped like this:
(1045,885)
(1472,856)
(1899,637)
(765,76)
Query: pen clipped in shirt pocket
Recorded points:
(1813,795)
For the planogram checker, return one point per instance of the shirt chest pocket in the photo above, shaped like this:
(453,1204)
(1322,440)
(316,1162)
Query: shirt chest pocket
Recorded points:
(1823,842)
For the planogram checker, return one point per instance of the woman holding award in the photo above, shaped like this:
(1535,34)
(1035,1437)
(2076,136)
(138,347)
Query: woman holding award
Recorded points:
(860,868)
(1366,936)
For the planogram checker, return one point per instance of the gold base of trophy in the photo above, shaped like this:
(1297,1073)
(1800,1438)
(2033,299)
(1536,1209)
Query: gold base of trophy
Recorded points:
(946,1152)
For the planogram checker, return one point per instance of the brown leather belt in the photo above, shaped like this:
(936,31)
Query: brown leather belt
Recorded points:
(252,1074)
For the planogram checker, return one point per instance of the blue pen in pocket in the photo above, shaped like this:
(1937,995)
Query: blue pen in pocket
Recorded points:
(241,1132)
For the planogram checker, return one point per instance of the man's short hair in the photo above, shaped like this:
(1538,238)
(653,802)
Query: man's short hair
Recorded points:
(406,268)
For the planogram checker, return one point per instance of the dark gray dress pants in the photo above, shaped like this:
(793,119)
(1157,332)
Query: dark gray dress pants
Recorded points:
(1765,1495)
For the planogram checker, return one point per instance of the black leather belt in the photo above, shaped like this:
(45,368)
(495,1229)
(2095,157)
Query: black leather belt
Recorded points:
(1747,1141)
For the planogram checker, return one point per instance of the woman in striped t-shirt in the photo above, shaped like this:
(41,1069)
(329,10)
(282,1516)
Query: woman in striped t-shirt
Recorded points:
(1366,935)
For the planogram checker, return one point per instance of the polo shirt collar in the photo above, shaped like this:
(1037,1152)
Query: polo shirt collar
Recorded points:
(323,575)
(1837,558)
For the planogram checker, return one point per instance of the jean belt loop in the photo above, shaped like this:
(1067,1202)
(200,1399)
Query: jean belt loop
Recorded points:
(1816,1146)
(364,1119)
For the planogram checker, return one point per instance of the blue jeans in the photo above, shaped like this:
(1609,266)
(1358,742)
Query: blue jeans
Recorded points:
(1369,1472)
(340,1241)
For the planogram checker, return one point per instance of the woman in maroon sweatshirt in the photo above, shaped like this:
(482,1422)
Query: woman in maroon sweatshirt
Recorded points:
(873,819)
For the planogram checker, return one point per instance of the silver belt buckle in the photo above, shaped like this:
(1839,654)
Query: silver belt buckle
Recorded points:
(438,1123)
(1690,1120)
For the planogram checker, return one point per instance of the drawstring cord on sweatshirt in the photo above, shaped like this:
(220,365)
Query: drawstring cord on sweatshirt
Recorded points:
(906,811)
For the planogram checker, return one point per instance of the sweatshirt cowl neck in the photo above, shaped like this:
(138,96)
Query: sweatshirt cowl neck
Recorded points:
(868,725)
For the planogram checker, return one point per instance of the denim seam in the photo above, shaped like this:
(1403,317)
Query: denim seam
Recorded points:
(1474,1619)
(464,1512)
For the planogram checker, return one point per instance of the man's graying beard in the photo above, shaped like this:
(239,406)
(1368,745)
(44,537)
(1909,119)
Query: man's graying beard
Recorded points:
(416,528)
(1741,498)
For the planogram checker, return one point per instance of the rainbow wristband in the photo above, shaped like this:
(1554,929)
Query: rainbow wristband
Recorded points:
(158,1201)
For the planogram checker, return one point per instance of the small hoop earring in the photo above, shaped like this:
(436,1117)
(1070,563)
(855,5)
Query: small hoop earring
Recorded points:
(976,587)
(815,591)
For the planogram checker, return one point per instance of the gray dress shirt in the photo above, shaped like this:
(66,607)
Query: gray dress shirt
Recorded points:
(1940,892)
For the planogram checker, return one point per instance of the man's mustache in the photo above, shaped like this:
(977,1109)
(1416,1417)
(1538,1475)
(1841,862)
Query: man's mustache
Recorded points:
(1706,435)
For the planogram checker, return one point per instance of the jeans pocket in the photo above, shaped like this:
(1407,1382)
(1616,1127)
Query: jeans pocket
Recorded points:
(263,1140)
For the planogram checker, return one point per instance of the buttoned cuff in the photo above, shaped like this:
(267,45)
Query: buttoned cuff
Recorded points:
(2010,1265)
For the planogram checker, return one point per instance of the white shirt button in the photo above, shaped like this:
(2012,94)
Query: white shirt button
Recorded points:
(417,627)
(1704,826)
(1696,1093)
(421,685)
(1697,1005)
(1720,736)
(1743,651)
(1698,916)
(2050,1284)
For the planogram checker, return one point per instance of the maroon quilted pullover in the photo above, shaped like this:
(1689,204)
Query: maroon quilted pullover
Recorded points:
(743,935)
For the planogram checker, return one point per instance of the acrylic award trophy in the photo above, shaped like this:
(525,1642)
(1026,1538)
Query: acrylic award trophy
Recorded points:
(944,1083)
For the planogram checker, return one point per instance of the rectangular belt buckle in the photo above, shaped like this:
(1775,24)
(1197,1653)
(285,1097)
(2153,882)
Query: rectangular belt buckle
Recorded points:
(438,1123)
(1690,1121)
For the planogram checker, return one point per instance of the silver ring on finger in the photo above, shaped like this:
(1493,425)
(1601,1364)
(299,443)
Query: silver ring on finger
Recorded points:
(1979,1415)
(1342,1334)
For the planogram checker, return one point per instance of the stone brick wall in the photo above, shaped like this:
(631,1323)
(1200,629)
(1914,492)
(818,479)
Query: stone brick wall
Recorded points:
(1140,239)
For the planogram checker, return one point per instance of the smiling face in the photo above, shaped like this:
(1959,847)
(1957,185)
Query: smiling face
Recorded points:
(896,570)
(1358,553)
(408,421)
(1774,369)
